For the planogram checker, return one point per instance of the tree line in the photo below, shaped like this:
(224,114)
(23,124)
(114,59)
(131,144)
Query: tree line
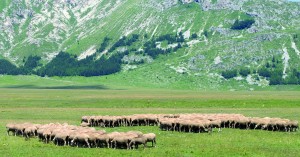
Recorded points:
(65,64)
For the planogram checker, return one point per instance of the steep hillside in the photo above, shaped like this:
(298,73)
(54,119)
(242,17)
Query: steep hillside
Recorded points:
(211,48)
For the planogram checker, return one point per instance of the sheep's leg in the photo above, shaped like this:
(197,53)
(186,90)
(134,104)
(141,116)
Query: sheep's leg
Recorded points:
(285,129)
(88,144)
(107,142)
(95,143)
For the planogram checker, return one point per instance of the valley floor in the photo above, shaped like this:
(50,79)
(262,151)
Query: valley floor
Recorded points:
(46,105)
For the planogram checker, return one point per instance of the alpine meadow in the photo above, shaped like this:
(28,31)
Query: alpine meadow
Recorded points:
(149,78)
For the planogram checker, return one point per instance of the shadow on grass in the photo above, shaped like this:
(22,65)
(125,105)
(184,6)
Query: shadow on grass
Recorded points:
(100,87)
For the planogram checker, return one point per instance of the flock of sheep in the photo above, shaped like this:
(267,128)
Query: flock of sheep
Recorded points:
(86,136)
(192,122)
(64,134)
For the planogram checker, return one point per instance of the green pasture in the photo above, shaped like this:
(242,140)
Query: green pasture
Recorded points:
(46,103)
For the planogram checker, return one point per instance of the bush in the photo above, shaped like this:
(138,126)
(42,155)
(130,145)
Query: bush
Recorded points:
(205,33)
(264,72)
(245,72)
(229,74)
(194,36)
(239,25)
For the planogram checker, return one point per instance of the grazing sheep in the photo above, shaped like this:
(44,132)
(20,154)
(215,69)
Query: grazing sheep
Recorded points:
(151,137)
(294,125)
(137,141)
(61,136)
(120,141)
(30,131)
(47,135)
(11,128)
(81,138)
(216,124)
(102,140)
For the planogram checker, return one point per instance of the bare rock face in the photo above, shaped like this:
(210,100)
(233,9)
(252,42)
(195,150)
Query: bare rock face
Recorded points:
(49,22)
(221,4)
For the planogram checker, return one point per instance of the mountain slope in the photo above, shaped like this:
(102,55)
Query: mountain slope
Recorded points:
(45,27)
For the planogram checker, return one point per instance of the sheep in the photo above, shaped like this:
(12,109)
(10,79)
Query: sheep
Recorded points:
(102,140)
(216,124)
(241,122)
(30,131)
(61,136)
(111,136)
(120,140)
(47,135)
(11,128)
(85,124)
(81,138)
(151,137)
(294,125)
(137,141)
(138,133)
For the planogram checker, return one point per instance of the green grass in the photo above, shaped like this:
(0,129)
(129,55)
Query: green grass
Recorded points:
(68,105)
(3,4)
(144,78)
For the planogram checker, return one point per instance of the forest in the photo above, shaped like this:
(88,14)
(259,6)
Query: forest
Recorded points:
(98,64)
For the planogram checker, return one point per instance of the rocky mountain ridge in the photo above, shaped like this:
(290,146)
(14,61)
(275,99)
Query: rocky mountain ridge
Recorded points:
(46,27)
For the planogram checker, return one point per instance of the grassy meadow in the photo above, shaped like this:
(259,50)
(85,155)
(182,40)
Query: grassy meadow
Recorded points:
(45,103)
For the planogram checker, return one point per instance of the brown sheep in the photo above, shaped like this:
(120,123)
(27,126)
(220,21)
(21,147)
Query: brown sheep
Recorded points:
(294,125)
(11,128)
(151,137)
(29,131)
(102,140)
(216,124)
(47,135)
(61,136)
(81,138)
(120,140)
(137,141)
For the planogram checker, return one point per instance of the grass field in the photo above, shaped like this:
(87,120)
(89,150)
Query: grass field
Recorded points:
(45,105)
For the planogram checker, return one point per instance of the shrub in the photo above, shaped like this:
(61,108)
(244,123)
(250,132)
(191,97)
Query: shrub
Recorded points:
(229,74)
(239,25)
(245,72)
